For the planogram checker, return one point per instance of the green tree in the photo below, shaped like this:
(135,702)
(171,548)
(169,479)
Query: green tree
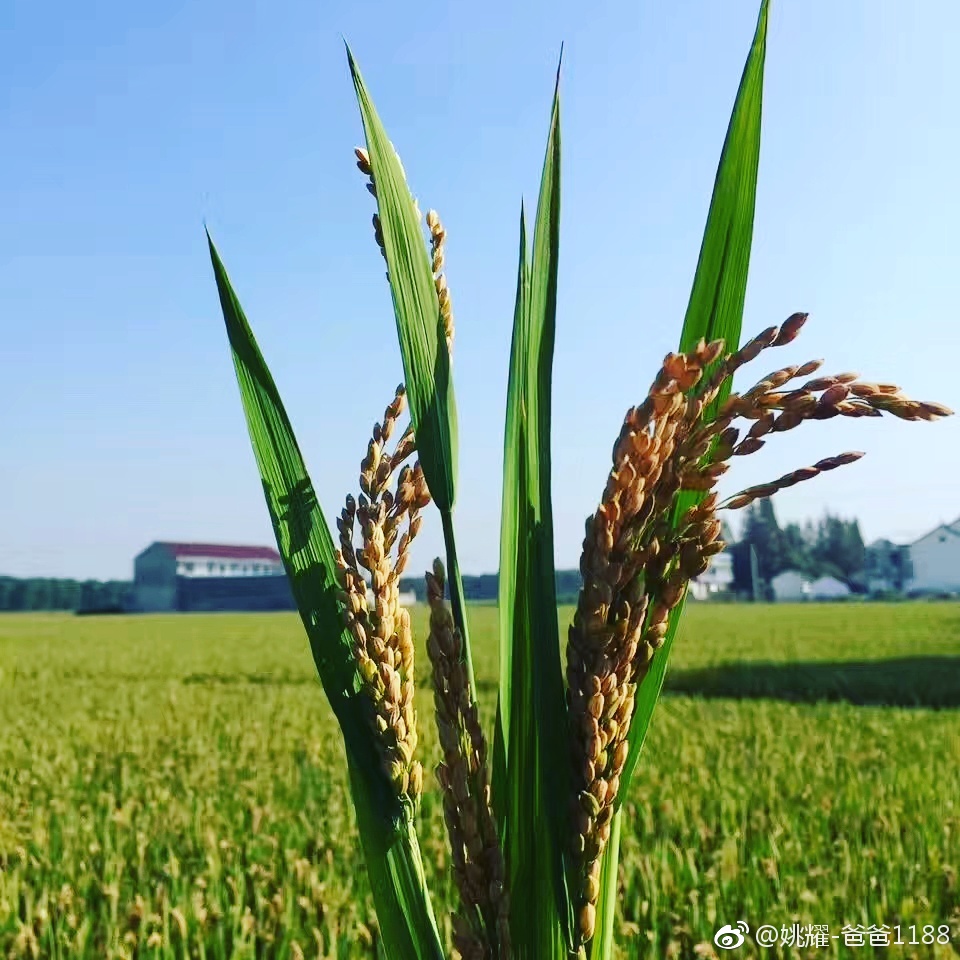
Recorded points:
(799,550)
(763,532)
(839,547)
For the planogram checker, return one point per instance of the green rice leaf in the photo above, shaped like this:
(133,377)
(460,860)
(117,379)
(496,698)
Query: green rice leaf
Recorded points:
(532,749)
(390,844)
(513,521)
(426,362)
(716,302)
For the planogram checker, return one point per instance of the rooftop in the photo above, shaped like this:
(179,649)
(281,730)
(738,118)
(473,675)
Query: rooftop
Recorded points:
(220,551)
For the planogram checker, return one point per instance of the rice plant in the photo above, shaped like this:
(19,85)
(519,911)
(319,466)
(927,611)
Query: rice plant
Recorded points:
(538,805)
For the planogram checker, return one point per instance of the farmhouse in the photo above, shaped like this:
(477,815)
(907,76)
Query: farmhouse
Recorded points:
(209,576)
(717,578)
(828,588)
(935,559)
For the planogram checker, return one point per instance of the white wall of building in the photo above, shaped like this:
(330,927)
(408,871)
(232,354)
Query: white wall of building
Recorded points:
(936,561)
(154,580)
(220,567)
(828,588)
(790,585)
(717,577)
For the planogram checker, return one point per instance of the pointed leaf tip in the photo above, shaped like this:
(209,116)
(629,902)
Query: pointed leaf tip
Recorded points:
(530,785)
(351,61)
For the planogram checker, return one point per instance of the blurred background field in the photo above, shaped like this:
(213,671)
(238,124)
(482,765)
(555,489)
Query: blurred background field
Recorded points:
(173,786)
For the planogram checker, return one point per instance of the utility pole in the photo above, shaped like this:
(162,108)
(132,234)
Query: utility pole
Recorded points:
(754,575)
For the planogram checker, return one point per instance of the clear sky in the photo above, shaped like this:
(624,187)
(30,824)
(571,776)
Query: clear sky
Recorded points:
(125,125)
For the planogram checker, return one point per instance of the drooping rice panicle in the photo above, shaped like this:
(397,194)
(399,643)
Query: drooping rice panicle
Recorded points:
(438,236)
(383,640)
(363,165)
(637,562)
(481,930)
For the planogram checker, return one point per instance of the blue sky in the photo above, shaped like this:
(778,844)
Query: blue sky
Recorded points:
(126,125)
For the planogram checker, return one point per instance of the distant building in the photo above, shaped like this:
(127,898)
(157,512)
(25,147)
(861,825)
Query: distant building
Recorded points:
(790,586)
(935,559)
(886,567)
(208,576)
(828,588)
(716,579)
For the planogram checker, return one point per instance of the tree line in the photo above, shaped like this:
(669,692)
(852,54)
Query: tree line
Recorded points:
(486,586)
(831,547)
(49,593)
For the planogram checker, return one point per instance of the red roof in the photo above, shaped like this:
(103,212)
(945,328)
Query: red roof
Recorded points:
(221,551)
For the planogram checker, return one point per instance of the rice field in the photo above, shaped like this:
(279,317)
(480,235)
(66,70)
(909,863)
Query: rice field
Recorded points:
(173,786)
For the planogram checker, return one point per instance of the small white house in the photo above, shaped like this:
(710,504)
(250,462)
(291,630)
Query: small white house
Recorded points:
(935,559)
(715,579)
(790,586)
(828,588)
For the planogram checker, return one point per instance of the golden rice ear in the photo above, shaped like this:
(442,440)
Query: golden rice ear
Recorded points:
(438,236)
(638,556)
(482,924)
(745,497)
(382,638)
(621,619)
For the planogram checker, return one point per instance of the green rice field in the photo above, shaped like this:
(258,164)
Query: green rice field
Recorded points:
(173,786)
